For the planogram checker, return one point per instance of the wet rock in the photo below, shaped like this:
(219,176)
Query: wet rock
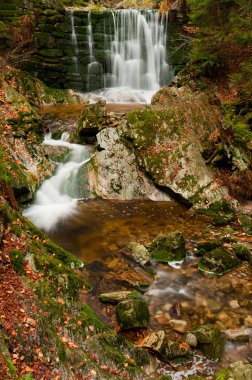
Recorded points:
(92,119)
(248,321)
(236,371)
(113,171)
(159,342)
(178,325)
(210,340)
(56,153)
(115,297)
(217,262)
(242,252)
(140,254)
(191,340)
(168,248)
(208,246)
(234,304)
(238,335)
(132,314)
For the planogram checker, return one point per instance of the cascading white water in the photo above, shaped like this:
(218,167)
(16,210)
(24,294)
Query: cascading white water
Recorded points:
(57,197)
(74,41)
(138,57)
(138,51)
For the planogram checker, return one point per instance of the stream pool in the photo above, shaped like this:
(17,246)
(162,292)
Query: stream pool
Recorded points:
(99,234)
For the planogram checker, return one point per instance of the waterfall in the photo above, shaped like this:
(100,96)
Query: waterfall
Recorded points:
(94,67)
(138,50)
(74,40)
(58,196)
(136,56)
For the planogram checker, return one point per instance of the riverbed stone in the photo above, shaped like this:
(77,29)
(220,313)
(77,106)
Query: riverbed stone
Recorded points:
(178,325)
(159,342)
(210,340)
(168,248)
(236,371)
(238,335)
(217,262)
(132,314)
(115,297)
(139,252)
(191,340)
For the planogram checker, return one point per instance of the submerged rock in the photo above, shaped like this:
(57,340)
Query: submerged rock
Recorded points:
(169,248)
(140,254)
(217,262)
(132,314)
(236,371)
(211,341)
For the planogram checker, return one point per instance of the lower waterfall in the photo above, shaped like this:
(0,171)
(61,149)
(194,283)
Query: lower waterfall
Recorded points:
(58,196)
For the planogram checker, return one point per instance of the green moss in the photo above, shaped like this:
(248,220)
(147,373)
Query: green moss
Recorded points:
(211,341)
(17,260)
(168,248)
(246,223)
(45,288)
(208,246)
(217,262)
(132,314)
(242,253)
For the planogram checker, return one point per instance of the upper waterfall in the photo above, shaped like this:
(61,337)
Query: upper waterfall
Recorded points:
(138,50)
(134,60)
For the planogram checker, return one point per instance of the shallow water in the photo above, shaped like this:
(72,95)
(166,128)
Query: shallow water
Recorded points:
(100,233)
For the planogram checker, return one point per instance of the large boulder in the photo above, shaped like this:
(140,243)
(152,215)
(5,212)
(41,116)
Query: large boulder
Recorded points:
(132,314)
(113,172)
(169,138)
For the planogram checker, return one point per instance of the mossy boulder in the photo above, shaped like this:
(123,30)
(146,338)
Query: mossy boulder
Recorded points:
(217,262)
(169,137)
(132,314)
(236,371)
(246,223)
(92,119)
(168,248)
(242,252)
(208,246)
(210,340)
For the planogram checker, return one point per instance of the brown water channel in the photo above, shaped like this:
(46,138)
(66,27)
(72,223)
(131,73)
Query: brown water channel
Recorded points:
(99,234)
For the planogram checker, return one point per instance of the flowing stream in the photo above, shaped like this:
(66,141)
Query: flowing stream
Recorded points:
(58,196)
